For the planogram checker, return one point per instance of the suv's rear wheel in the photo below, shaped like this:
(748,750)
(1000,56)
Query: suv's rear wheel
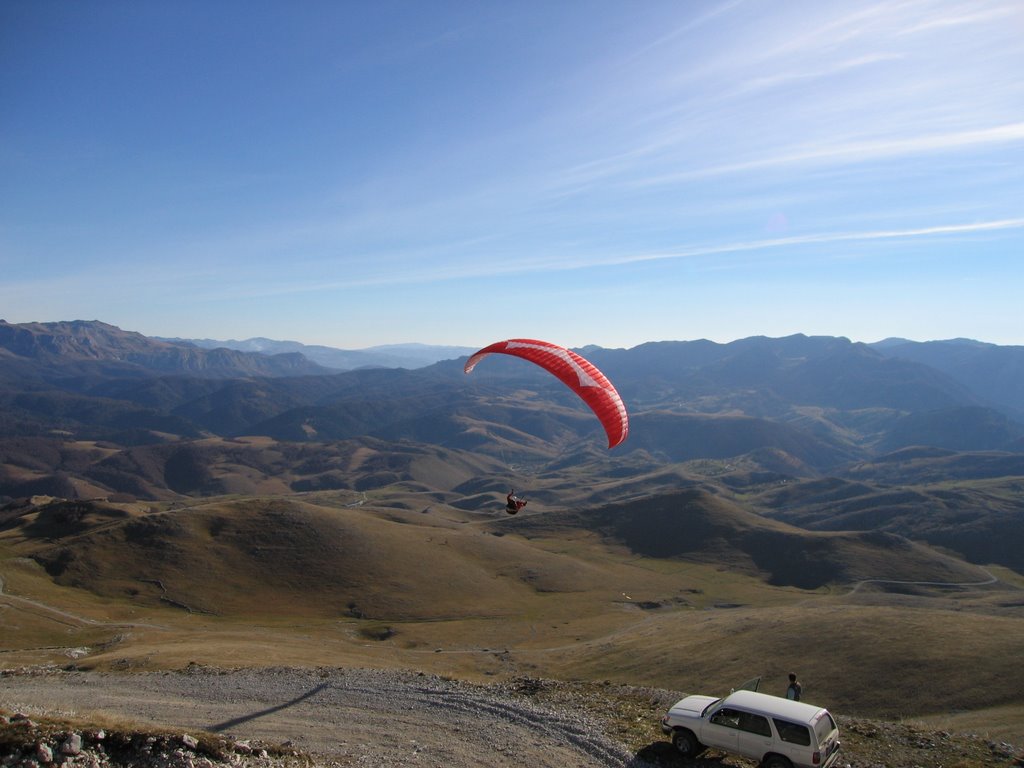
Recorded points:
(777,761)
(686,743)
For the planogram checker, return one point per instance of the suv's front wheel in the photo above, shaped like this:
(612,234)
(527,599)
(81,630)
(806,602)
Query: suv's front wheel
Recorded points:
(686,743)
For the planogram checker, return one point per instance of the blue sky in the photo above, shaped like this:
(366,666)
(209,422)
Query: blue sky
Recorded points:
(582,171)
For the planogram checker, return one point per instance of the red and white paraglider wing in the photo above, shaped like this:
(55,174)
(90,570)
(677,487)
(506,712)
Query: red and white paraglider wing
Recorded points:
(577,373)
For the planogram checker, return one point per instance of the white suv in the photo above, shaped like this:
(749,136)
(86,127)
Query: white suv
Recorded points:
(778,732)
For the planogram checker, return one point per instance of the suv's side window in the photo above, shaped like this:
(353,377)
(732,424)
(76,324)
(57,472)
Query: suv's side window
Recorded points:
(794,733)
(755,724)
(730,718)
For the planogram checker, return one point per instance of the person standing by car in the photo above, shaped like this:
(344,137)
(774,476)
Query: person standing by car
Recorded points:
(795,689)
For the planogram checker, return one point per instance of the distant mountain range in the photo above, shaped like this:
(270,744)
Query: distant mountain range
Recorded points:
(91,346)
(83,342)
(384,356)
(922,440)
(994,373)
(822,400)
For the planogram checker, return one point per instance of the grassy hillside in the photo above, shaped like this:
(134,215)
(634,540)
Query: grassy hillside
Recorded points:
(981,520)
(687,591)
(699,526)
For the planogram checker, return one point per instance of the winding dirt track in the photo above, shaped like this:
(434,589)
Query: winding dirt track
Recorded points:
(342,717)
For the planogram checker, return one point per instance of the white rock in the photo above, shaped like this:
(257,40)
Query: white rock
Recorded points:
(44,754)
(72,745)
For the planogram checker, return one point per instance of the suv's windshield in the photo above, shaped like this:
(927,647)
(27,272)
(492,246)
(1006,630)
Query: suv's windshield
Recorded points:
(714,703)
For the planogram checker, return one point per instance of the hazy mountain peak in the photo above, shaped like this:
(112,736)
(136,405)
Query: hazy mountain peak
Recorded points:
(411,355)
(69,343)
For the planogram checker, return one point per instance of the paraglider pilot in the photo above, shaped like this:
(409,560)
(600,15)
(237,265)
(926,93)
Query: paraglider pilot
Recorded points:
(514,503)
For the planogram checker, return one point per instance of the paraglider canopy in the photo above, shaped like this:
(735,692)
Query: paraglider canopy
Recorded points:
(577,373)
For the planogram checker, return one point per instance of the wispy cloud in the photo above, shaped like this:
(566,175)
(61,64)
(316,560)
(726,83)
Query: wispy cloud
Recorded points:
(554,262)
(854,152)
(824,70)
(830,237)
(970,17)
(846,87)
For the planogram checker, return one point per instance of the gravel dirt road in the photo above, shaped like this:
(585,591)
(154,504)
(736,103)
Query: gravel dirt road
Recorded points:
(342,717)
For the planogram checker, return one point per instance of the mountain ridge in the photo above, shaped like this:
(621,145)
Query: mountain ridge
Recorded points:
(822,401)
(411,355)
(63,345)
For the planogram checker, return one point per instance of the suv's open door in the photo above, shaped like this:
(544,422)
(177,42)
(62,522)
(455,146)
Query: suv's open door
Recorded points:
(750,685)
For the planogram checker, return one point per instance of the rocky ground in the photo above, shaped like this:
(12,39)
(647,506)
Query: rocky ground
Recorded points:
(286,718)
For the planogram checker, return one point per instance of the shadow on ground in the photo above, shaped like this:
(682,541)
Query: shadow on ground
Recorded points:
(662,753)
(219,727)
